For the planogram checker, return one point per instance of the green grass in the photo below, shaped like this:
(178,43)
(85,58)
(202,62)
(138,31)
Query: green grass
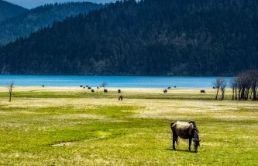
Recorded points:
(52,128)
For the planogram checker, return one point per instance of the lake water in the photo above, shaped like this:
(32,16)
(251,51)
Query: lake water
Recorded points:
(111,81)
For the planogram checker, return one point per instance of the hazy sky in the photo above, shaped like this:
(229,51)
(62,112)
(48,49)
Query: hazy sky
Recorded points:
(35,3)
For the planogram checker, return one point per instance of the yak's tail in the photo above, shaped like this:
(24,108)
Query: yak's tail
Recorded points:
(171,125)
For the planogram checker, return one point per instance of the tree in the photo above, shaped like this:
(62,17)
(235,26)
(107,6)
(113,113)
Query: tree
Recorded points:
(10,89)
(220,85)
(223,88)
(246,84)
(233,84)
(253,76)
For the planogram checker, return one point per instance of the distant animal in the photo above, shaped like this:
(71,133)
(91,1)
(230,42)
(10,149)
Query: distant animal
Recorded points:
(202,91)
(89,88)
(169,87)
(185,130)
(81,86)
(165,91)
(105,91)
(92,90)
(214,87)
(119,91)
(120,98)
(84,87)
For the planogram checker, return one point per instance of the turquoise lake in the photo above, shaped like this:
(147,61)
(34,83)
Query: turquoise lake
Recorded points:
(111,81)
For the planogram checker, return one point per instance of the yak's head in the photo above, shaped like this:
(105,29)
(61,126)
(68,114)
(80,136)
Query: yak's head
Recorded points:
(196,140)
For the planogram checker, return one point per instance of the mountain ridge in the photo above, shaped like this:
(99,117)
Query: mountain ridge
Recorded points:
(33,20)
(168,37)
(8,10)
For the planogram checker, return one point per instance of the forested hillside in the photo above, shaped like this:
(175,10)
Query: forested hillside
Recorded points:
(8,10)
(35,19)
(168,37)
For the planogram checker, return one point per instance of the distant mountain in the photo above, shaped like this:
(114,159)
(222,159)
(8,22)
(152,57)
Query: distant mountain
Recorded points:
(23,25)
(150,37)
(8,10)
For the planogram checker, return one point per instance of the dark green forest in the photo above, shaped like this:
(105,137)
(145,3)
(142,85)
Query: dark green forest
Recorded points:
(33,20)
(8,10)
(150,37)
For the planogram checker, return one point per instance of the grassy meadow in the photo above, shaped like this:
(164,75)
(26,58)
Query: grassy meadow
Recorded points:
(72,126)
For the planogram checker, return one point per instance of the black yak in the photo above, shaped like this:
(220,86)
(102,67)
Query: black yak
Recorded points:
(202,91)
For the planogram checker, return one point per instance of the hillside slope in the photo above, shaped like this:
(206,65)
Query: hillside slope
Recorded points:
(35,19)
(167,37)
(8,10)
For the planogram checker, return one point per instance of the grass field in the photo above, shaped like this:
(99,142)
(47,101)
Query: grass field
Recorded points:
(76,127)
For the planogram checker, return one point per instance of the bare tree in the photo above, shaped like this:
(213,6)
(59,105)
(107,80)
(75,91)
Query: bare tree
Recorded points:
(220,85)
(223,86)
(217,86)
(10,89)
(253,74)
(246,85)
(233,85)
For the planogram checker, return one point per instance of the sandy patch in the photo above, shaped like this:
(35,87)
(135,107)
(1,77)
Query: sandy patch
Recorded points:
(62,144)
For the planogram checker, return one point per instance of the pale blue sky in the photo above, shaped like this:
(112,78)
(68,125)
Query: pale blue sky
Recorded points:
(35,3)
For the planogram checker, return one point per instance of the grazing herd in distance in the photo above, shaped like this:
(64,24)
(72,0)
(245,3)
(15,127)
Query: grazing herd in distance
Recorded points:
(105,90)
(244,87)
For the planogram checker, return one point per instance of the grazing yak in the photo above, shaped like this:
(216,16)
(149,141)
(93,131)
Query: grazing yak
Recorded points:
(185,130)
(202,91)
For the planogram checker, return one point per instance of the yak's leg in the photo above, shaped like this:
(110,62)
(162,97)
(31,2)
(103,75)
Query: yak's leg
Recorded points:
(190,142)
(174,140)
